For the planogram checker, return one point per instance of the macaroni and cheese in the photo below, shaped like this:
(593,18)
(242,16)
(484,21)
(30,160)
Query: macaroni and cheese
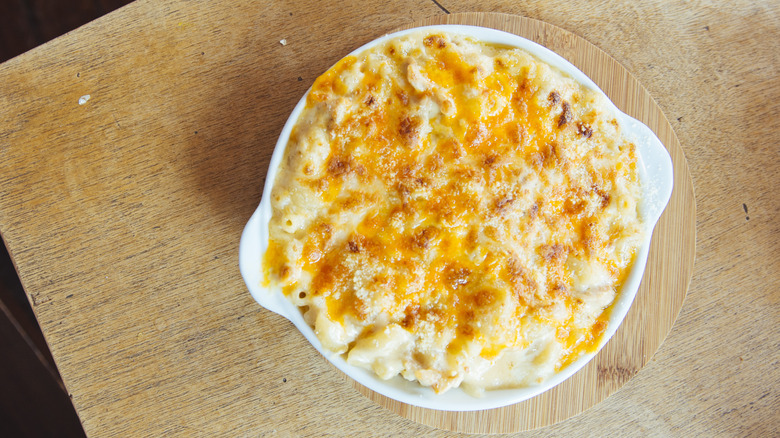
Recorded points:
(456,212)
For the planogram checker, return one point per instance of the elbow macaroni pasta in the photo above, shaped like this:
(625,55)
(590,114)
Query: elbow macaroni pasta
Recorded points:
(454,212)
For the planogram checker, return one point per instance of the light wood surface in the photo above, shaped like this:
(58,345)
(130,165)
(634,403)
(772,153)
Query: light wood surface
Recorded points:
(667,274)
(123,214)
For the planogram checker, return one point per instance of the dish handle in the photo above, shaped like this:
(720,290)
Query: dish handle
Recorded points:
(250,253)
(657,162)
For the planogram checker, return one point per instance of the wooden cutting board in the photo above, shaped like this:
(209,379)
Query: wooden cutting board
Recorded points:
(669,266)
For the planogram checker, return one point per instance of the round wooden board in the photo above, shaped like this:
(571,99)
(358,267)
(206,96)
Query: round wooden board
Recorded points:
(669,266)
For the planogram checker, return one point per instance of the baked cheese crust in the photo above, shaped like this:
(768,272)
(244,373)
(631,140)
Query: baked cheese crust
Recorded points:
(455,212)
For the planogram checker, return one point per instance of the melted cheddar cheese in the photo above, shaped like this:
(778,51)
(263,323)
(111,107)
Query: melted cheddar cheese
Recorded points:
(455,212)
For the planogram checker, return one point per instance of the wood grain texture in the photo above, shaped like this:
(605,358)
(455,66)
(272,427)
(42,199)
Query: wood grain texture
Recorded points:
(123,214)
(667,274)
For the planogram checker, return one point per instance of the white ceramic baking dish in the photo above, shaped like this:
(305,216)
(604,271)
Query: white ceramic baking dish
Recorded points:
(655,171)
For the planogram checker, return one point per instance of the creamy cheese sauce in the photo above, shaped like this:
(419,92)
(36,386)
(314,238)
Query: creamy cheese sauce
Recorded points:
(454,212)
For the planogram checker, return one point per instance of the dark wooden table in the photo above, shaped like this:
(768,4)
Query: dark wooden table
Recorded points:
(33,399)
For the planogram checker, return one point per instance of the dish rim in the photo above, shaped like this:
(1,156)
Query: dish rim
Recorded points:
(655,172)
